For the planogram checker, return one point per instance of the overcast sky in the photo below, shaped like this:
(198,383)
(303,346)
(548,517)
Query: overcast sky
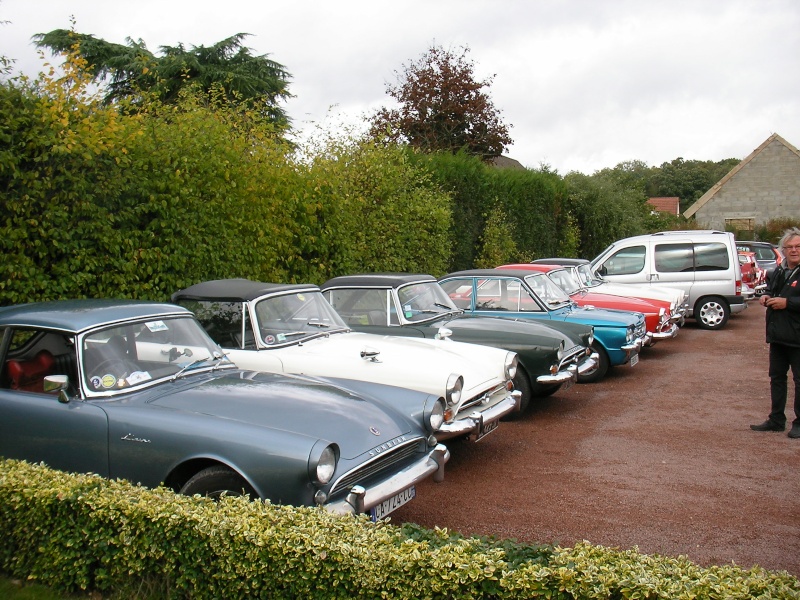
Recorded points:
(585,84)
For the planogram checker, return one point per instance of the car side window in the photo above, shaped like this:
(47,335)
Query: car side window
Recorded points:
(33,355)
(674,258)
(360,307)
(711,256)
(625,261)
(460,292)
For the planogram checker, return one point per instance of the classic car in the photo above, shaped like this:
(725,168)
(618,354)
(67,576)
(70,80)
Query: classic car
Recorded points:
(291,328)
(138,391)
(656,318)
(415,305)
(674,298)
(753,275)
(618,335)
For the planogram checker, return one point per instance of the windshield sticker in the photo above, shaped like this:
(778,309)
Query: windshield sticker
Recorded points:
(301,297)
(281,337)
(138,377)
(269,340)
(108,381)
(156,326)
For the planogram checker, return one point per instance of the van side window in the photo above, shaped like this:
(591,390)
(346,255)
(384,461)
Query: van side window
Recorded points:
(674,258)
(711,256)
(625,261)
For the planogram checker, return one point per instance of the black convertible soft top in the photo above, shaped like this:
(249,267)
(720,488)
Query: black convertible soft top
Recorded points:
(379,280)
(238,290)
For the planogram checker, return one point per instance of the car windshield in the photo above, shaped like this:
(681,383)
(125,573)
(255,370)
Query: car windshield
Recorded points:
(293,318)
(588,277)
(138,354)
(565,280)
(548,292)
(423,301)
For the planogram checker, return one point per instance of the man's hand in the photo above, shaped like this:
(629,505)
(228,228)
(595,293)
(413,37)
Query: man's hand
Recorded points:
(763,300)
(776,303)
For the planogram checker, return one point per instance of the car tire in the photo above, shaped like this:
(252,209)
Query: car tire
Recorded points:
(711,312)
(214,481)
(600,370)
(522,384)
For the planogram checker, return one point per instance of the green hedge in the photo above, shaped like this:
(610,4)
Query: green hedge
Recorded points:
(82,532)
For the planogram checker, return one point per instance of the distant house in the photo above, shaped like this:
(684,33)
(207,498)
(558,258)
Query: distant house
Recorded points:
(764,186)
(506,162)
(665,204)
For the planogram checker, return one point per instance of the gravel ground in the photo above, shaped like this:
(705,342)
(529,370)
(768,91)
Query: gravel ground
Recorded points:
(659,456)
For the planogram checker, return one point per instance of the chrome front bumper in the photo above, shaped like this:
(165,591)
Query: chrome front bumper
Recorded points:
(666,334)
(563,376)
(360,499)
(589,363)
(475,422)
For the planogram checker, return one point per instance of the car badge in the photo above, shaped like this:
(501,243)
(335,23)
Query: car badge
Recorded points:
(374,431)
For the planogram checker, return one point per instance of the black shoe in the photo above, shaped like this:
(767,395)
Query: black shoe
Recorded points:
(770,426)
(794,432)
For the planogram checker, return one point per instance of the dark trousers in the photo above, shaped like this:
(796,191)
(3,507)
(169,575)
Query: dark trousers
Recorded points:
(781,358)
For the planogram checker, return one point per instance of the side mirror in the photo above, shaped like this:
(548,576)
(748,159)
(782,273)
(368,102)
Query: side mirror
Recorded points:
(57,383)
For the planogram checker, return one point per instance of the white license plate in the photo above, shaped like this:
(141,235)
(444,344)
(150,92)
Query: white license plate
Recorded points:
(634,360)
(487,429)
(384,508)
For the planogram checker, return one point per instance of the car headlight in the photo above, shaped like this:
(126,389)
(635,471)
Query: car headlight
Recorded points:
(323,464)
(436,417)
(661,312)
(510,366)
(455,383)
(560,353)
(629,334)
(591,337)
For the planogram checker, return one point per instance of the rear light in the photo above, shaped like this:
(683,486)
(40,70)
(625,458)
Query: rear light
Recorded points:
(738,287)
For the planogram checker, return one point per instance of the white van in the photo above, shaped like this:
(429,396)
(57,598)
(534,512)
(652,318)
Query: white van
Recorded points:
(703,263)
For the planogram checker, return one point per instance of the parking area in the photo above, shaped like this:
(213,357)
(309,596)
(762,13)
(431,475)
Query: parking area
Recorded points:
(658,456)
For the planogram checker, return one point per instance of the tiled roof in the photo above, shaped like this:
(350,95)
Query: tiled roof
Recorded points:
(667,204)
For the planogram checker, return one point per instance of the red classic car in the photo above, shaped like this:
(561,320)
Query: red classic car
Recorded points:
(656,315)
(752,274)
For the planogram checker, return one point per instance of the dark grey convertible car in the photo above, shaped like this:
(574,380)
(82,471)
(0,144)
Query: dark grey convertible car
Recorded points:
(139,391)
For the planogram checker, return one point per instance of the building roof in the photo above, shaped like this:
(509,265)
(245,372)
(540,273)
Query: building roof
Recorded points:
(705,198)
(667,204)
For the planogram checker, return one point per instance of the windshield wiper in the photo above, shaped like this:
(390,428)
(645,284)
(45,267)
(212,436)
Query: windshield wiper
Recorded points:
(190,365)
(319,324)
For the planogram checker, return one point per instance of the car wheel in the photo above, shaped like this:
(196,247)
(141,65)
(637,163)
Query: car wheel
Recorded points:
(523,385)
(213,481)
(600,370)
(711,313)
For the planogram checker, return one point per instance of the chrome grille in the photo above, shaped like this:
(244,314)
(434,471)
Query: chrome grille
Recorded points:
(385,462)
(480,399)
(572,356)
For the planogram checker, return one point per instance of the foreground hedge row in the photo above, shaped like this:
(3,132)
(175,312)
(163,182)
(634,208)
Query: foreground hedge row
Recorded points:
(81,532)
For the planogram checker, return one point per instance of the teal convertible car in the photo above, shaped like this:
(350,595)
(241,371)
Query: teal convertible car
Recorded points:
(139,391)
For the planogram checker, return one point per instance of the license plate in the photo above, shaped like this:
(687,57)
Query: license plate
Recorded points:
(634,360)
(487,429)
(384,508)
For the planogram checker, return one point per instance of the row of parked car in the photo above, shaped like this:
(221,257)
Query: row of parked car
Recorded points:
(337,395)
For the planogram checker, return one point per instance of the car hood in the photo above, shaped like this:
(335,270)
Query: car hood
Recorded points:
(414,363)
(641,291)
(297,404)
(539,333)
(585,298)
(599,317)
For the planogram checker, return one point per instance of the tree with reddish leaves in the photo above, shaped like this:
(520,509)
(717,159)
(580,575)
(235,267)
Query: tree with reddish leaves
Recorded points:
(443,107)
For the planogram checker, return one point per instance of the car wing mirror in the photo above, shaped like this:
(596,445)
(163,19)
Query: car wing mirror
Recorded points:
(57,383)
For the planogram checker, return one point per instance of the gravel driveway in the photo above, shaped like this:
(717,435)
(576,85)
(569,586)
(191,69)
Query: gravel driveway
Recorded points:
(658,456)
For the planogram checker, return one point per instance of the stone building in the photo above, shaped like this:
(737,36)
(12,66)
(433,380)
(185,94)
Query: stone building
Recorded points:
(764,186)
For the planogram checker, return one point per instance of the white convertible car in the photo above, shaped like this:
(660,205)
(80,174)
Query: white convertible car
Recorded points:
(291,328)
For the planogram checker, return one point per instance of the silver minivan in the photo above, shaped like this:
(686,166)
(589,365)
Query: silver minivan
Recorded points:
(704,263)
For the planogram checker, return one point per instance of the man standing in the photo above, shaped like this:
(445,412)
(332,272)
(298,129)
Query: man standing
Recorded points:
(782,300)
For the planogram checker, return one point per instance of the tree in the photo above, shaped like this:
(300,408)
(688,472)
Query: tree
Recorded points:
(443,107)
(227,66)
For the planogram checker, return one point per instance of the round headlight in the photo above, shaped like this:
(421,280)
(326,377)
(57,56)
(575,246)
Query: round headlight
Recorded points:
(436,416)
(326,465)
(662,311)
(560,354)
(629,334)
(511,365)
(591,337)
(455,383)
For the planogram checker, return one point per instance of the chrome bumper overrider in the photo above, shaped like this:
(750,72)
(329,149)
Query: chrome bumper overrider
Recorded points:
(570,373)
(589,363)
(474,422)
(360,500)
(668,333)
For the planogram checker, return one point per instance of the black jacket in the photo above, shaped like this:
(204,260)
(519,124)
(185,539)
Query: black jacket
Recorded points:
(783,326)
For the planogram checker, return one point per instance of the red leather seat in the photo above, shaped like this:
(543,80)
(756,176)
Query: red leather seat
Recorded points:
(28,375)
